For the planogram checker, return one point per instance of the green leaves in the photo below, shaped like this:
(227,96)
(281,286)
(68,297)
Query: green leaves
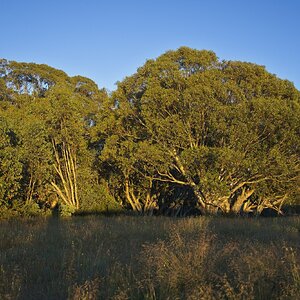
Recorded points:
(186,129)
(10,165)
(48,106)
(226,129)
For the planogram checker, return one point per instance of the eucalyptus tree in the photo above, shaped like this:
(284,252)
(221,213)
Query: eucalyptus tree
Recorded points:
(52,115)
(227,132)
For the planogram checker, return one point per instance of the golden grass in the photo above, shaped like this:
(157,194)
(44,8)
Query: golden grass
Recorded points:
(150,258)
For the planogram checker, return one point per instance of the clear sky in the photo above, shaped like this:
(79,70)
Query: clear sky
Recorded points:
(108,40)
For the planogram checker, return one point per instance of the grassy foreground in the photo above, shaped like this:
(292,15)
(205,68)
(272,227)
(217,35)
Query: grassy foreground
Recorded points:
(150,258)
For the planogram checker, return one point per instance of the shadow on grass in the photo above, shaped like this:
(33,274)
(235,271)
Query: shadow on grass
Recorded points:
(44,276)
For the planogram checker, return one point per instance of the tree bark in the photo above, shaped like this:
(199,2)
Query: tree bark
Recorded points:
(66,171)
(197,192)
(238,204)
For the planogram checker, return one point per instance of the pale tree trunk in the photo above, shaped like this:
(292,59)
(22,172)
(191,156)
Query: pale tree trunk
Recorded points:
(131,198)
(275,203)
(144,205)
(150,203)
(30,190)
(222,203)
(66,171)
(197,192)
(238,204)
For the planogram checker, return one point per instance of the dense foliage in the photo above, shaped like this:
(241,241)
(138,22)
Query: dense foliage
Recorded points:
(46,152)
(186,133)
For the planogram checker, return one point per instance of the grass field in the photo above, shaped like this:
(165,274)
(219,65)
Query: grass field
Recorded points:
(150,258)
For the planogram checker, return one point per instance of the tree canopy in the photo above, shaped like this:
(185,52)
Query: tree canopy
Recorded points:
(187,132)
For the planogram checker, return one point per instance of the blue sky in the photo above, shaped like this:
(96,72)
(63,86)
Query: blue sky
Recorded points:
(108,40)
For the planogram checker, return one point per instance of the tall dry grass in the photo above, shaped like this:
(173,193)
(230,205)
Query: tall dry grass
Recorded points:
(150,258)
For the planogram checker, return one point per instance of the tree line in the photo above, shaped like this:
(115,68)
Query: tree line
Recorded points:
(187,133)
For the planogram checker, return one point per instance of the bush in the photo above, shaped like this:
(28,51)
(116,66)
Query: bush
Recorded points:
(20,209)
(96,198)
(66,210)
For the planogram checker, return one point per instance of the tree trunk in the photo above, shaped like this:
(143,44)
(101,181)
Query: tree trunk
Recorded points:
(150,203)
(131,198)
(66,171)
(30,190)
(238,204)
(197,192)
